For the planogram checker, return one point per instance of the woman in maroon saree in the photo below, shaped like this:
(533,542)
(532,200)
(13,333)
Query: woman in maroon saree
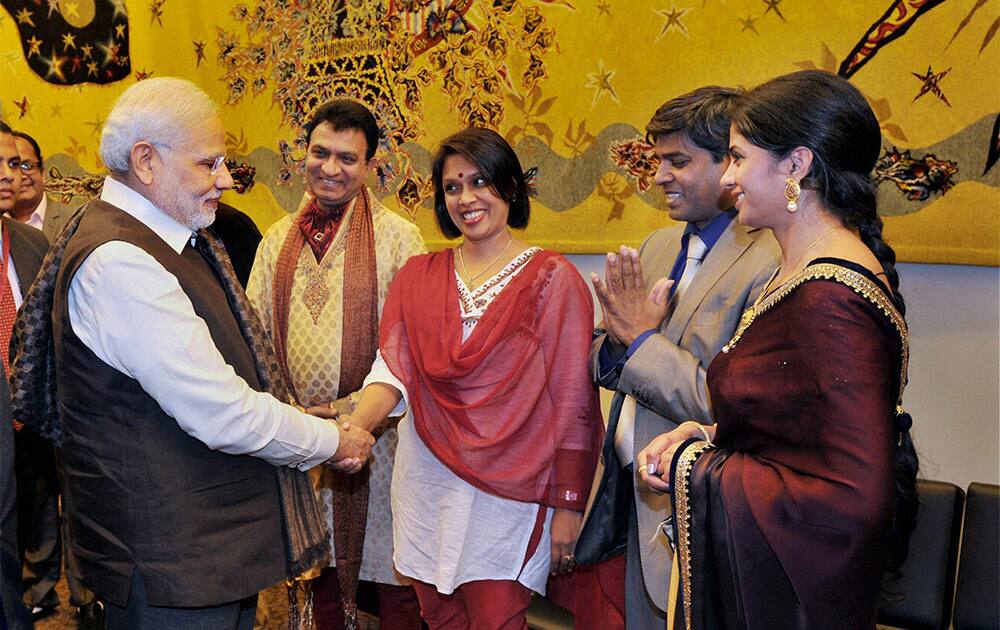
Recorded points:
(788,509)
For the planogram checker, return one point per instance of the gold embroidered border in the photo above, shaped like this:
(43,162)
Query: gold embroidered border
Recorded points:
(850,278)
(682,516)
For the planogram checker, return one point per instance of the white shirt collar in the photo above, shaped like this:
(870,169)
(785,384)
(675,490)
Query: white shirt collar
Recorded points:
(174,233)
(37,218)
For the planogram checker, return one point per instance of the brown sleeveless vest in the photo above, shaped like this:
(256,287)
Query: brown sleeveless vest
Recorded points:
(202,527)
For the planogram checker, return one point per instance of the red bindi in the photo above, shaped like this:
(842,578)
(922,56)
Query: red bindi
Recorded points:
(461,174)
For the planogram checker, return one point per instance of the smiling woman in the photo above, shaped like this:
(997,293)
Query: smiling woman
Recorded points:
(487,345)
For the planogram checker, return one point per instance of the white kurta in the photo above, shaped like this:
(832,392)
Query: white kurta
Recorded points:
(447,532)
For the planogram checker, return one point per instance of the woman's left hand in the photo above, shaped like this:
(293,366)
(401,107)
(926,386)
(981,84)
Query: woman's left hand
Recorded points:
(565,530)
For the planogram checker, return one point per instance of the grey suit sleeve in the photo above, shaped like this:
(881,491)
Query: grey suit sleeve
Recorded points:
(669,379)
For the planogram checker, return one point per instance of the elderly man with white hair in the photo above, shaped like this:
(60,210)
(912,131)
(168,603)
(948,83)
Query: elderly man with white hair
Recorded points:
(185,481)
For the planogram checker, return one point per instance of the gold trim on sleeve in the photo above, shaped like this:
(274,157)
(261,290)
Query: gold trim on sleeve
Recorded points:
(848,277)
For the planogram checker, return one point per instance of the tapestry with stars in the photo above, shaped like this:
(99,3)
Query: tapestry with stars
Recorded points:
(68,43)
(570,83)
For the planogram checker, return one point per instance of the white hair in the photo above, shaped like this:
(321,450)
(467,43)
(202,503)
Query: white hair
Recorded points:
(157,111)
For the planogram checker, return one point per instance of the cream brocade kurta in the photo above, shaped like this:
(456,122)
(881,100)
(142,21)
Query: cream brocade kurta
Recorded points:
(315,326)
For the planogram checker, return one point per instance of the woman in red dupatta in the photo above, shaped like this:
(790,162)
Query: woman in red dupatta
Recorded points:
(486,345)
(788,511)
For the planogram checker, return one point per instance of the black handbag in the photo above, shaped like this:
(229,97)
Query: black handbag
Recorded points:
(605,531)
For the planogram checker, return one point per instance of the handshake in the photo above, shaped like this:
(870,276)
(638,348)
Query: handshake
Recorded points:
(355,443)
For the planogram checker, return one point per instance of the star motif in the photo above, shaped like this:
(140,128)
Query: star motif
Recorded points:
(672,21)
(143,74)
(69,9)
(772,5)
(77,62)
(604,8)
(76,150)
(55,64)
(748,25)
(600,82)
(97,123)
(110,50)
(92,69)
(119,31)
(119,6)
(69,41)
(23,106)
(156,12)
(53,7)
(24,17)
(932,84)
(87,51)
(9,58)
(56,111)
(34,46)
(199,51)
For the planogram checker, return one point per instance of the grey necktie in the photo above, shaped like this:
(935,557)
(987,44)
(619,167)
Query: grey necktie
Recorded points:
(695,252)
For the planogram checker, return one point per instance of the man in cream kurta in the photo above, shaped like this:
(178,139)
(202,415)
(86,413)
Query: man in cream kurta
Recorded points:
(335,168)
(314,345)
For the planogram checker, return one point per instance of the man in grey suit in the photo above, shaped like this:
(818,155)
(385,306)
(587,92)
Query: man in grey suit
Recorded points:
(668,310)
(33,206)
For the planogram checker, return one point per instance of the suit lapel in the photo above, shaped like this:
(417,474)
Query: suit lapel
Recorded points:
(21,256)
(723,255)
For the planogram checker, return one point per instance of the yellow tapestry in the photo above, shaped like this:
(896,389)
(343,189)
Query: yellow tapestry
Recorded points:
(570,83)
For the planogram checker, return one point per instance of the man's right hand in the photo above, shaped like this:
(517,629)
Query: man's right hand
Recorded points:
(628,309)
(355,447)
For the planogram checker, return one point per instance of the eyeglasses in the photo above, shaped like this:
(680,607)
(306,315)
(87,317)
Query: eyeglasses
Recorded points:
(27,166)
(217,161)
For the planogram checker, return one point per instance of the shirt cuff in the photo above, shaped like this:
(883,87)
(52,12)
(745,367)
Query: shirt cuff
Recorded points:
(608,362)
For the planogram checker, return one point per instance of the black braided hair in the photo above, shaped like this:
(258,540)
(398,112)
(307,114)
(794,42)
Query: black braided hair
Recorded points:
(826,114)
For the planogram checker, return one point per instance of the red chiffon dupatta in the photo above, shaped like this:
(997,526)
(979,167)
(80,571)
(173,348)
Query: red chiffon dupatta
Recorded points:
(512,410)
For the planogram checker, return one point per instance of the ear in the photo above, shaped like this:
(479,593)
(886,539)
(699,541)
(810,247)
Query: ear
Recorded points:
(372,164)
(143,161)
(799,161)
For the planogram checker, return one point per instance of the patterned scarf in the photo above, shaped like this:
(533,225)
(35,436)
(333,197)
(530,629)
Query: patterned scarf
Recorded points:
(360,340)
(33,384)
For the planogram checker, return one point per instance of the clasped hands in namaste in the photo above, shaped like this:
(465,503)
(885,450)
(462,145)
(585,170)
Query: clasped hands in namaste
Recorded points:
(627,308)
(355,442)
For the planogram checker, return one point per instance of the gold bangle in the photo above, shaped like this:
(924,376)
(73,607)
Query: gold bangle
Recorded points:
(701,428)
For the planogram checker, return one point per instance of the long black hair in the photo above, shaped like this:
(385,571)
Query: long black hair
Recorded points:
(826,114)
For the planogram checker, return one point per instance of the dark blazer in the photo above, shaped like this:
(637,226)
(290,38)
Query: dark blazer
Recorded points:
(28,247)
(240,236)
(56,216)
(13,613)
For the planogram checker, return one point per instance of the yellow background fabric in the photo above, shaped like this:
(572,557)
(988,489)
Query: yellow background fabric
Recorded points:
(571,83)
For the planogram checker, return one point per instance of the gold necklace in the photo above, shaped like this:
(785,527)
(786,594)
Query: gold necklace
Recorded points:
(465,272)
(795,264)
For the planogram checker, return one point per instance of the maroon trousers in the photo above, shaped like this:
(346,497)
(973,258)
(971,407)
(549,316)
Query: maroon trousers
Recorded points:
(481,604)
(397,605)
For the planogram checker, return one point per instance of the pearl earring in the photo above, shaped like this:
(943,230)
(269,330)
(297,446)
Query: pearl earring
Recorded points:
(792,192)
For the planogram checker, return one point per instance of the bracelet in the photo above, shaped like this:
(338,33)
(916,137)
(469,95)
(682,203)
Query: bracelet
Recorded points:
(702,429)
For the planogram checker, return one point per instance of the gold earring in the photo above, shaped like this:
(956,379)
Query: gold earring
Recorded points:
(792,192)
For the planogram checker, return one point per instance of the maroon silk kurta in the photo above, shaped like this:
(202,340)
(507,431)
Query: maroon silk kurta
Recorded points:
(798,494)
